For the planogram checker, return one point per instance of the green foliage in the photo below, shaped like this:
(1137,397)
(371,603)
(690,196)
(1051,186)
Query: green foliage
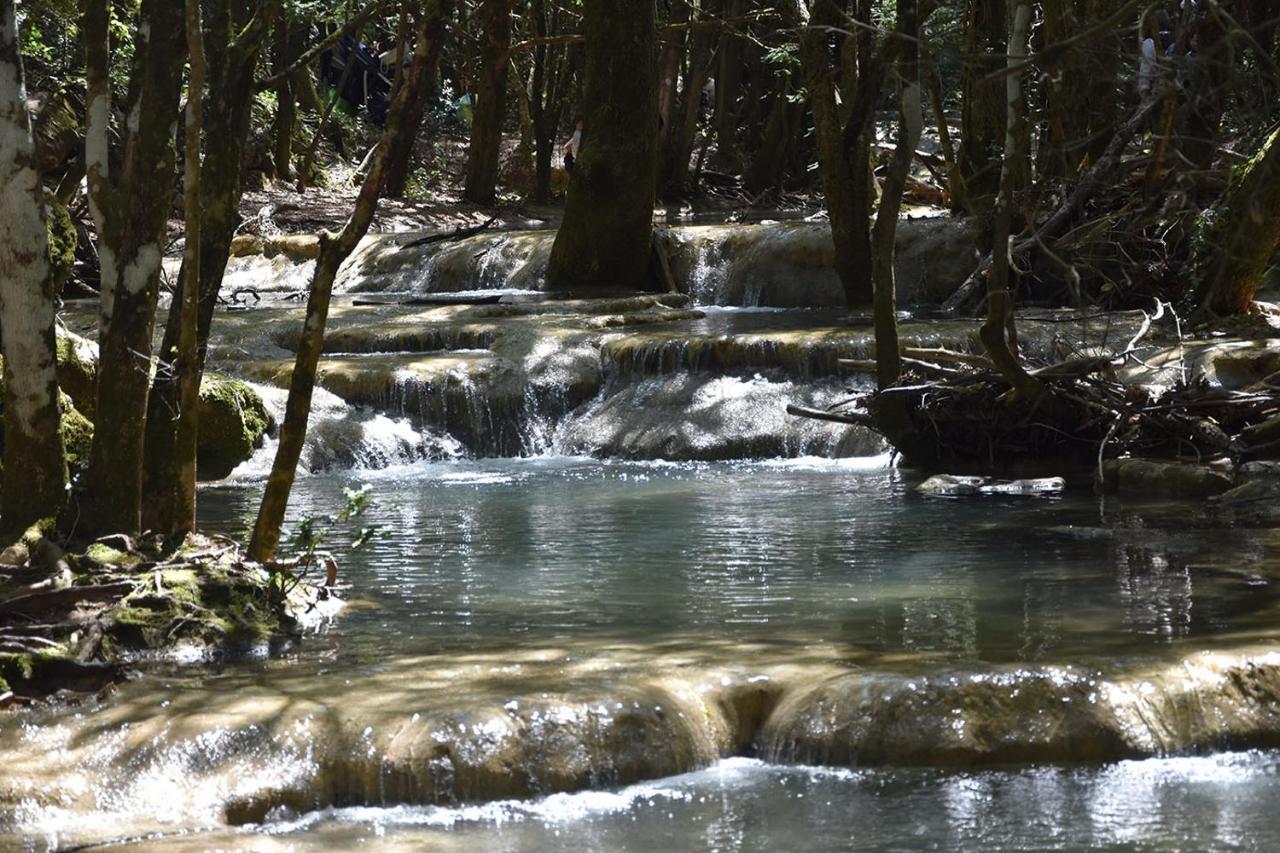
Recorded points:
(312,531)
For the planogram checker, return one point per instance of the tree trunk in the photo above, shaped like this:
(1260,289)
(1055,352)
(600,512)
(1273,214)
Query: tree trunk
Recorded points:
(674,169)
(910,128)
(400,154)
(35,468)
(235,34)
(976,181)
(484,154)
(997,332)
(334,249)
(177,499)
(670,62)
(285,52)
(130,214)
(605,238)
(728,88)
(848,218)
(1246,235)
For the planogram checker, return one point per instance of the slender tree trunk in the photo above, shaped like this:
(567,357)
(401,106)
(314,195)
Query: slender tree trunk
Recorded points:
(976,180)
(997,332)
(400,154)
(673,175)
(849,221)
(910,128)
(334,249)
(35,468)
(605,238)
(235,35)
(670,62)
(1247,235)
(130,214)
(178,505)
(286,49)
(484,154)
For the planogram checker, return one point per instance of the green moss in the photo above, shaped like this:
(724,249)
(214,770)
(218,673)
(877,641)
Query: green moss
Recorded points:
(62,240)
(110,556)
(233,421)
(78,371)
(77,437)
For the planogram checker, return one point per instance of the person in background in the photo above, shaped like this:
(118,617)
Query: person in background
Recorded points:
(570,148)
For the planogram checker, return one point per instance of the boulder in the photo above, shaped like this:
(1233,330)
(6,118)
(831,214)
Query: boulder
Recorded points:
(233,421)
(1156,479)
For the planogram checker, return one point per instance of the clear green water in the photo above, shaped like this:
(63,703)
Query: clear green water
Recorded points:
(603,569)
(526,552)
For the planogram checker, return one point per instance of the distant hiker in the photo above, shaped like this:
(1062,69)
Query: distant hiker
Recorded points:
(571,147)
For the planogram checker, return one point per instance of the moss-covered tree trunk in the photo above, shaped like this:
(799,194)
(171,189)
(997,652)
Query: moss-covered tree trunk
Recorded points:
(130,212)
(400,156)
(334,249)
(35,468)
(1246,236)
(605,238)
(822,46)
(484,153)
(235,36)
(976,180)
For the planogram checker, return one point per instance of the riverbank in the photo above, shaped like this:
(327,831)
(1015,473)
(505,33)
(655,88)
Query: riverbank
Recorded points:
(76,623)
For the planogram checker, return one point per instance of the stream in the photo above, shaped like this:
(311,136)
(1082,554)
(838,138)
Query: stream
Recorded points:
(616,599)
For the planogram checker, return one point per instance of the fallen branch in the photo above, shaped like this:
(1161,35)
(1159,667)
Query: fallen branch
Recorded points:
(71,595)
(851,418)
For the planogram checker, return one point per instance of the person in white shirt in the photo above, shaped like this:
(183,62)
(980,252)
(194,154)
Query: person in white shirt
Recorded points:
(570,148)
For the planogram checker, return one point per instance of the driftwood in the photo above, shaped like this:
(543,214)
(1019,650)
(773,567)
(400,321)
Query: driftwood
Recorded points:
(458,233)
(854,418)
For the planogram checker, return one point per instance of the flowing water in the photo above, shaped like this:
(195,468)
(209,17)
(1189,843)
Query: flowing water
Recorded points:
(562,653)
(617,599)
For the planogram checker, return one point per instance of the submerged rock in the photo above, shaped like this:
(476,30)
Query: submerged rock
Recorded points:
(950,485)
(1151,478)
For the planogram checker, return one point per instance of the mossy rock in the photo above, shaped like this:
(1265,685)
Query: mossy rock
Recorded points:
(78,371)
(233,421)
(1150,478)
(77,436)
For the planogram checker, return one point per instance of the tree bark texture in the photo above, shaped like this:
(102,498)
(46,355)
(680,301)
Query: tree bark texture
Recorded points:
(130,213)
(604,240)
(35,469)
(997,332)
(176,501)
(235,36)
(334,249)
(910,128)
(484,154)
(1247,236)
